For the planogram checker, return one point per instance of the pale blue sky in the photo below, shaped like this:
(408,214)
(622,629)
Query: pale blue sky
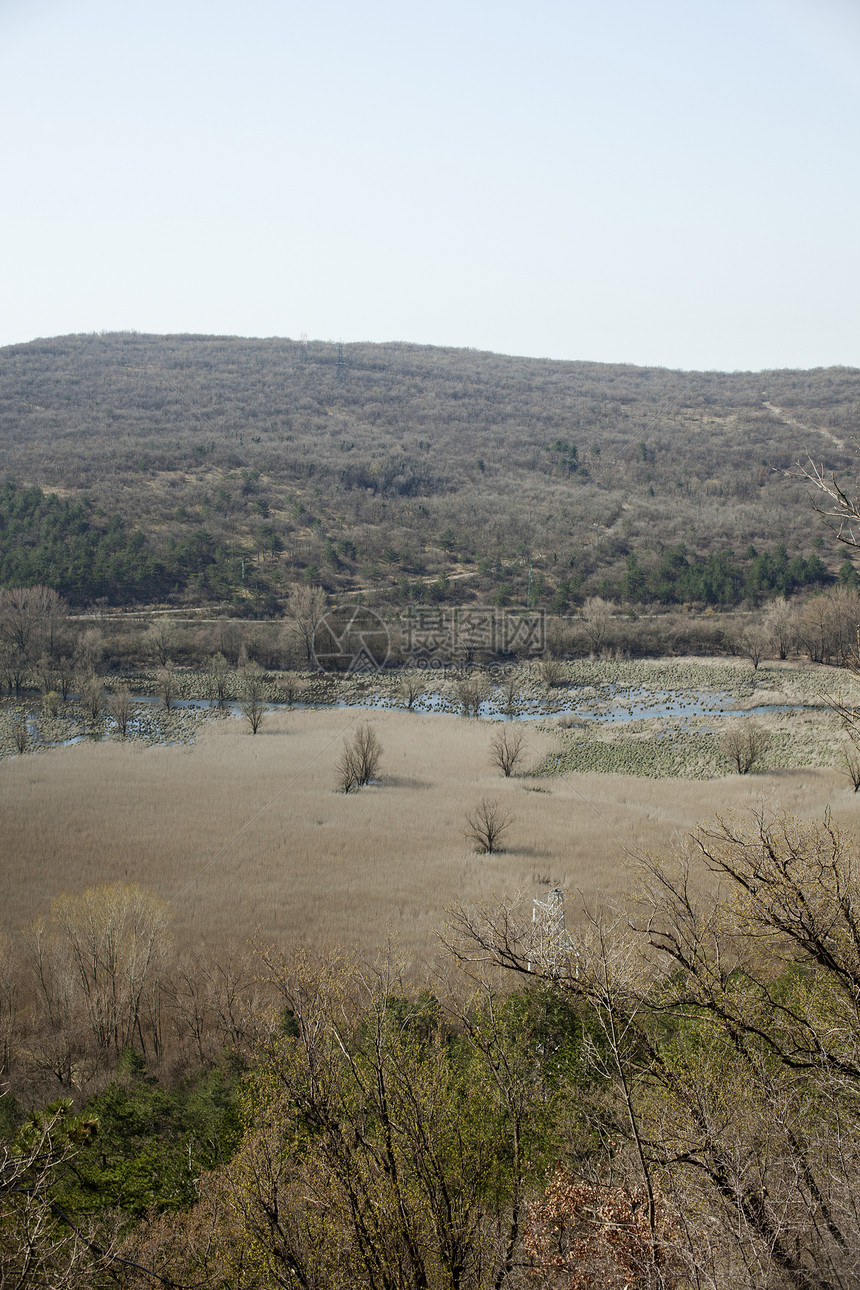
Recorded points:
(671,182)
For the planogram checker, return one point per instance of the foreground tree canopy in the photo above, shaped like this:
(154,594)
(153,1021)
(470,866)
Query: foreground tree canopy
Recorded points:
(668,1099)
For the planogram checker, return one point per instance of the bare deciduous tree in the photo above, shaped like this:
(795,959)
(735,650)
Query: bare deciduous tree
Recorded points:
(510,687)
(840,509)
(780,623)
(64,675)
(168,687)
(290,691)
(359,761)
(507,750)
(114,938)
(159,641)
(92,697)
(851,763)
(120,709)
(219,678)
(306,609)
(95,967)
(410,688)
(827,627)
(30,620)
(471,691)
(744,744)
(753,643)
(89,651)
(596,617)
(20,733)
(253,702)
(214,1000)
(486,824)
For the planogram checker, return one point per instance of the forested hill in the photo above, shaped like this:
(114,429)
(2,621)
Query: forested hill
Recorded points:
(225,469)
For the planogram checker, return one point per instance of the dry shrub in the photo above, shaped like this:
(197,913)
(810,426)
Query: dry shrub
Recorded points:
(471,691)
(551,671)
(21,735)
(506,751)
(581,1234)
(744,745)
(359,761)
(486,824)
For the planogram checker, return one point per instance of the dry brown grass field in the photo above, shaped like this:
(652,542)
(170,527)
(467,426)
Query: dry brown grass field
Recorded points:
(246,836)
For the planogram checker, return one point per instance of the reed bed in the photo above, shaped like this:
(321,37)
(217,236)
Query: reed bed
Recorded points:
(245,835)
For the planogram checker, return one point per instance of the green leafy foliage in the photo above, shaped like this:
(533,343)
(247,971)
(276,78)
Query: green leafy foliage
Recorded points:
(151,1143)
(63,545)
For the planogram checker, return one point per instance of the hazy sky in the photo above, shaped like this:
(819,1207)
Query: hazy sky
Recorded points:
(671,182)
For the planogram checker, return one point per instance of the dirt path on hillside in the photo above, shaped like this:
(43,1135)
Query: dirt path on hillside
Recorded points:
(799,425)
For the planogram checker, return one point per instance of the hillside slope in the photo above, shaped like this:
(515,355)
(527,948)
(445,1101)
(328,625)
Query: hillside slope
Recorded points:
(232,468)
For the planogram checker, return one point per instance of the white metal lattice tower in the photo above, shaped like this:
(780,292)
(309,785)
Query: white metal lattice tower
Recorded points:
(551,946)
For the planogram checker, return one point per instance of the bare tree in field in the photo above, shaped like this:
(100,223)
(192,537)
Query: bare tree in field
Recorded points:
(780,622)
(168,687)
(510,687)
(596,617)
(306,609)
(753,643)
(96,963)
(507,750)
(410,689)
(486,824)
(93,697)
(744,744)
(253,702)
(471,691)
(119,707)
(359,761)
(89,651)
(219,678)
(64,675)
(159,641)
